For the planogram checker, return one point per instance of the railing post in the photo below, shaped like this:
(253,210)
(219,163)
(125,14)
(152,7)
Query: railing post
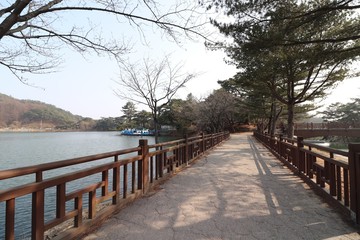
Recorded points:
(60,200)
(10,219)
(203,142)
(186,150)
(143,143)
(332,177)
(116,182)
(300,154)
(78,206)
(105,180)
(280,145)
(92,204)
(354,168)
(212,140)
(37,231)
(160,163)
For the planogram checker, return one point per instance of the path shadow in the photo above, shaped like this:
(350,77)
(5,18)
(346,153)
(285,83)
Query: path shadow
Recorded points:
(239,191)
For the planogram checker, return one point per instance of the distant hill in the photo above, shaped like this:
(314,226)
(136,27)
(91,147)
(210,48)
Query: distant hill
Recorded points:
(29,114)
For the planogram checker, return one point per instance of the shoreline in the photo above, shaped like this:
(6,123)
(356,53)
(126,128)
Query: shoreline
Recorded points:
(25,130)
(34,130)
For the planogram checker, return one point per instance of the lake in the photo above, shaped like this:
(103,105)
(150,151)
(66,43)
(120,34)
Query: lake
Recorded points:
(25,149)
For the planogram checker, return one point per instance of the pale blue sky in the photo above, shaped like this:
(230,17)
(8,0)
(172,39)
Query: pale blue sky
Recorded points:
(85,86)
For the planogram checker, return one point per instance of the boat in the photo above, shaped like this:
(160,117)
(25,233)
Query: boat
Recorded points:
(137,132)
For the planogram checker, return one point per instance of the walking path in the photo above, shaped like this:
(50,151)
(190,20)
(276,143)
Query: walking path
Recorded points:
(238,191)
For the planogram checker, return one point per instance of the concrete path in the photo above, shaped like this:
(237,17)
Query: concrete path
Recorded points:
(238,191)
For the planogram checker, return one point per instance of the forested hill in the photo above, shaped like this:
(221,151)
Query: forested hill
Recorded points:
(27,114)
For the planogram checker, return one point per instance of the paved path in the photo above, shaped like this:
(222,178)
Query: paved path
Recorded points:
(239,191)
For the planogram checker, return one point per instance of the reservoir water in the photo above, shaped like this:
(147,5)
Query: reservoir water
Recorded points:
(25,149)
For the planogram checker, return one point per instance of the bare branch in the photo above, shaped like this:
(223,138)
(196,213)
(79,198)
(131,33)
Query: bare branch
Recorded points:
(153,84)
(34,24)
(162,24)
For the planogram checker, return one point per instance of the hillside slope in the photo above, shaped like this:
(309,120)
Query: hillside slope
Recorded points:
(19,114)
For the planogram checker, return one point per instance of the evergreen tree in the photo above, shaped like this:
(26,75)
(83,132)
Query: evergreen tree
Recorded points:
(294,73)
(129,111)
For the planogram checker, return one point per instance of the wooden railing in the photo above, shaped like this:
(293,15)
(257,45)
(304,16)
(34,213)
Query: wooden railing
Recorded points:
(127,175)
(334,174)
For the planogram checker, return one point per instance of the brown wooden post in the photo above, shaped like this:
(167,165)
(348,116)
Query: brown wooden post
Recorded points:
(125,181)
(37,231)
(10,219)
(156,162)
(212,140)
(139,177)
(160,164)
(116,182)
(354,167)
(186,150)
(92,204)
(105,180)
(60,200)
(281,149)
(143,143)
(151,160)
(332,176)
(338,183)
(203,142)
(279,144)
(133,177)
(78,206)
(174,159)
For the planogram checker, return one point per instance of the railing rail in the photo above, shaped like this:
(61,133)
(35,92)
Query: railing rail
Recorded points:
(115,183)
(11,173)
(333,173)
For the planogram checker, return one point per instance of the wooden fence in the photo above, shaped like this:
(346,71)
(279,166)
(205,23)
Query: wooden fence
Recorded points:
(334,174)
(129,174)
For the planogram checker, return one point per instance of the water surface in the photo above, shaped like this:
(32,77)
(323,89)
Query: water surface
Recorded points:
(26,149)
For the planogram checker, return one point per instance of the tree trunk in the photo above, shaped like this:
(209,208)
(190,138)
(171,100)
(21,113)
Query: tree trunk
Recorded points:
(290,120)
(272,120)
(275,114)
(156,125)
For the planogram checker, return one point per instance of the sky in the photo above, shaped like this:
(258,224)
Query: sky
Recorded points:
(85,85)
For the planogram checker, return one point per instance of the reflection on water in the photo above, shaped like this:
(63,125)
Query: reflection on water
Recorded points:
(336,145)
(25,149)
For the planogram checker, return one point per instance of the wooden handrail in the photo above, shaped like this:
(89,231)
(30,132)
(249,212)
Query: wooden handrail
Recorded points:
(17,172)
(336,180)
(132,177)
(51,182)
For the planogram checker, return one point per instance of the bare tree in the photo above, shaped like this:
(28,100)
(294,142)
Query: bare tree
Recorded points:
(218,112)
(152,84)
(31,31)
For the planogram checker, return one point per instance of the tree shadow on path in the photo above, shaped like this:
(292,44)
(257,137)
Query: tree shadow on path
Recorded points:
(238,191)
